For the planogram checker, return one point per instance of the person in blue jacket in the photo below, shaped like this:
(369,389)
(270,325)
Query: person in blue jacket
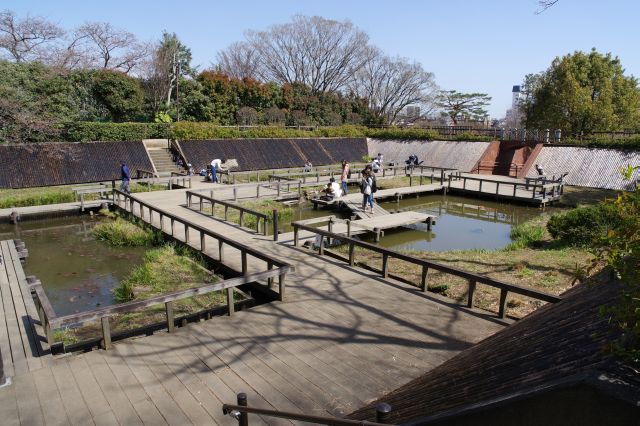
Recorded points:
(125,176)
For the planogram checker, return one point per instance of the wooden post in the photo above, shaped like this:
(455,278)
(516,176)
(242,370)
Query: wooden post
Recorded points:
(168,307)
(429,223)
(221,250)
(281,286)
(299,189)
(201,203)
(385,265)
(241,218)
(202,237)
(106,333)
(186,233)
(352,254)
(471,295)
(230,304)
(502,312)
(275,225)
(226,212)
(497,188)
(480,188)
(377,232)
(258,191)
(423,280)
(278,186)
(330,229)
(410,180)
(161,222)
(514,190)
(295,236)
(243,256)
(188,200)
(348,227)
(82,202)
(235,194)
(173,226)
(321,247)
(317,176)
(257,224)
(270,279)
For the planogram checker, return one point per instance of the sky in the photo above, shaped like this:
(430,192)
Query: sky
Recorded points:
(471,46)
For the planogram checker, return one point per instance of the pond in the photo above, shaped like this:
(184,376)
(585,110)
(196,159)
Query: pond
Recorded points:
(462,224)
(77,272)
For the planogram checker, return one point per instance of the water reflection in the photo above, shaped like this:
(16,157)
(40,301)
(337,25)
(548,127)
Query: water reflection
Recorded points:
(77,272)
(463,223)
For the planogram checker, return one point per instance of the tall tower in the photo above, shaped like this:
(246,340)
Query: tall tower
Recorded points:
(515,98)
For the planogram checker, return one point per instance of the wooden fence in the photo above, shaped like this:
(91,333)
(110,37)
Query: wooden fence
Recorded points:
(472,278)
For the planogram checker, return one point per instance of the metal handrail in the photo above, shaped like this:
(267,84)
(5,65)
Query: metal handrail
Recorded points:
(472,278)
(241,411)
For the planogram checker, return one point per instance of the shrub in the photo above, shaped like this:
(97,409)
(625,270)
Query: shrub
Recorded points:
(27,197)
(584,225)
(398,133)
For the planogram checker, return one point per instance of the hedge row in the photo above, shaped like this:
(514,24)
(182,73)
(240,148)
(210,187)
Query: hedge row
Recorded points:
(92,131)
(95,131)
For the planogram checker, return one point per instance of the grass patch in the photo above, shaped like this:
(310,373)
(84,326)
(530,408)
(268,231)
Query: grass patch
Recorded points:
(123,233)
(165,269)
(39,196)
(528,234)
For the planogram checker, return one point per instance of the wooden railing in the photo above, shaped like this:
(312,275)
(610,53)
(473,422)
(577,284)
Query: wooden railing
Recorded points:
(541,191)
(275,268)
(145,174)
(181,179)
(204,199)
(472,278)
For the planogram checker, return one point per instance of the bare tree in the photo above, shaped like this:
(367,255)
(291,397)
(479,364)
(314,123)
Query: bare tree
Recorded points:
(239,60)
(391,84)
(110,48)
(26,39)
(544,5)
(321,53)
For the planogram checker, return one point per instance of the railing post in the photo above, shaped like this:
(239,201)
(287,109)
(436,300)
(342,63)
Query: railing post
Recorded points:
(502,310)
(243,255)
(202,244)
(168,307)
(173,226)
(352,254)
(295,236)
(230,303)
(383,410)
(275,224)
(235,194)
(299,189)
(278,186)
(258,191)
(226,213)
(281,286)
(221,250)
(241,218)
(423,280)
(186,233)
(385,265)
(348,227)
(106,333)
(321,247)
(471,295)
(243,419)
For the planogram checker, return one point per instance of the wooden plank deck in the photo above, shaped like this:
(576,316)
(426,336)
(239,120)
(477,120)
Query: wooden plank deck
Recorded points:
(19,343)
(342,337)
(500,187)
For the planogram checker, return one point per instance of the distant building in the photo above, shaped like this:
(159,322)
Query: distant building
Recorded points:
(413,112)
(514,116)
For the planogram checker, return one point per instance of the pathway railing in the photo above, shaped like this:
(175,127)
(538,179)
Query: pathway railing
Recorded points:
(490,166)
(275,268)
(203,200)
(472,278)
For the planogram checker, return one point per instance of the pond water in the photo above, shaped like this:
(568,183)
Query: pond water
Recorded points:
(462,224)
(76,271)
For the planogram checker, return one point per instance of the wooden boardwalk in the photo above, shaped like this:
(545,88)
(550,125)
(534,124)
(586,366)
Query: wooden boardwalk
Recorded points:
(504,187)
(342,337)
(353,201)
(19,343)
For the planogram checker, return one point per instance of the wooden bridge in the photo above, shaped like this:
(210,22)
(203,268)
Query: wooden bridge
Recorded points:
(341,337)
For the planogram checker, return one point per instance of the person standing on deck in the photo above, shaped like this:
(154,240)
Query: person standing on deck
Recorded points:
(344,177)
(215,165)
(366,187)
(125,176)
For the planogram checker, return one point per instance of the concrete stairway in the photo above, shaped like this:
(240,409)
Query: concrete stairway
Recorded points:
(161,159)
